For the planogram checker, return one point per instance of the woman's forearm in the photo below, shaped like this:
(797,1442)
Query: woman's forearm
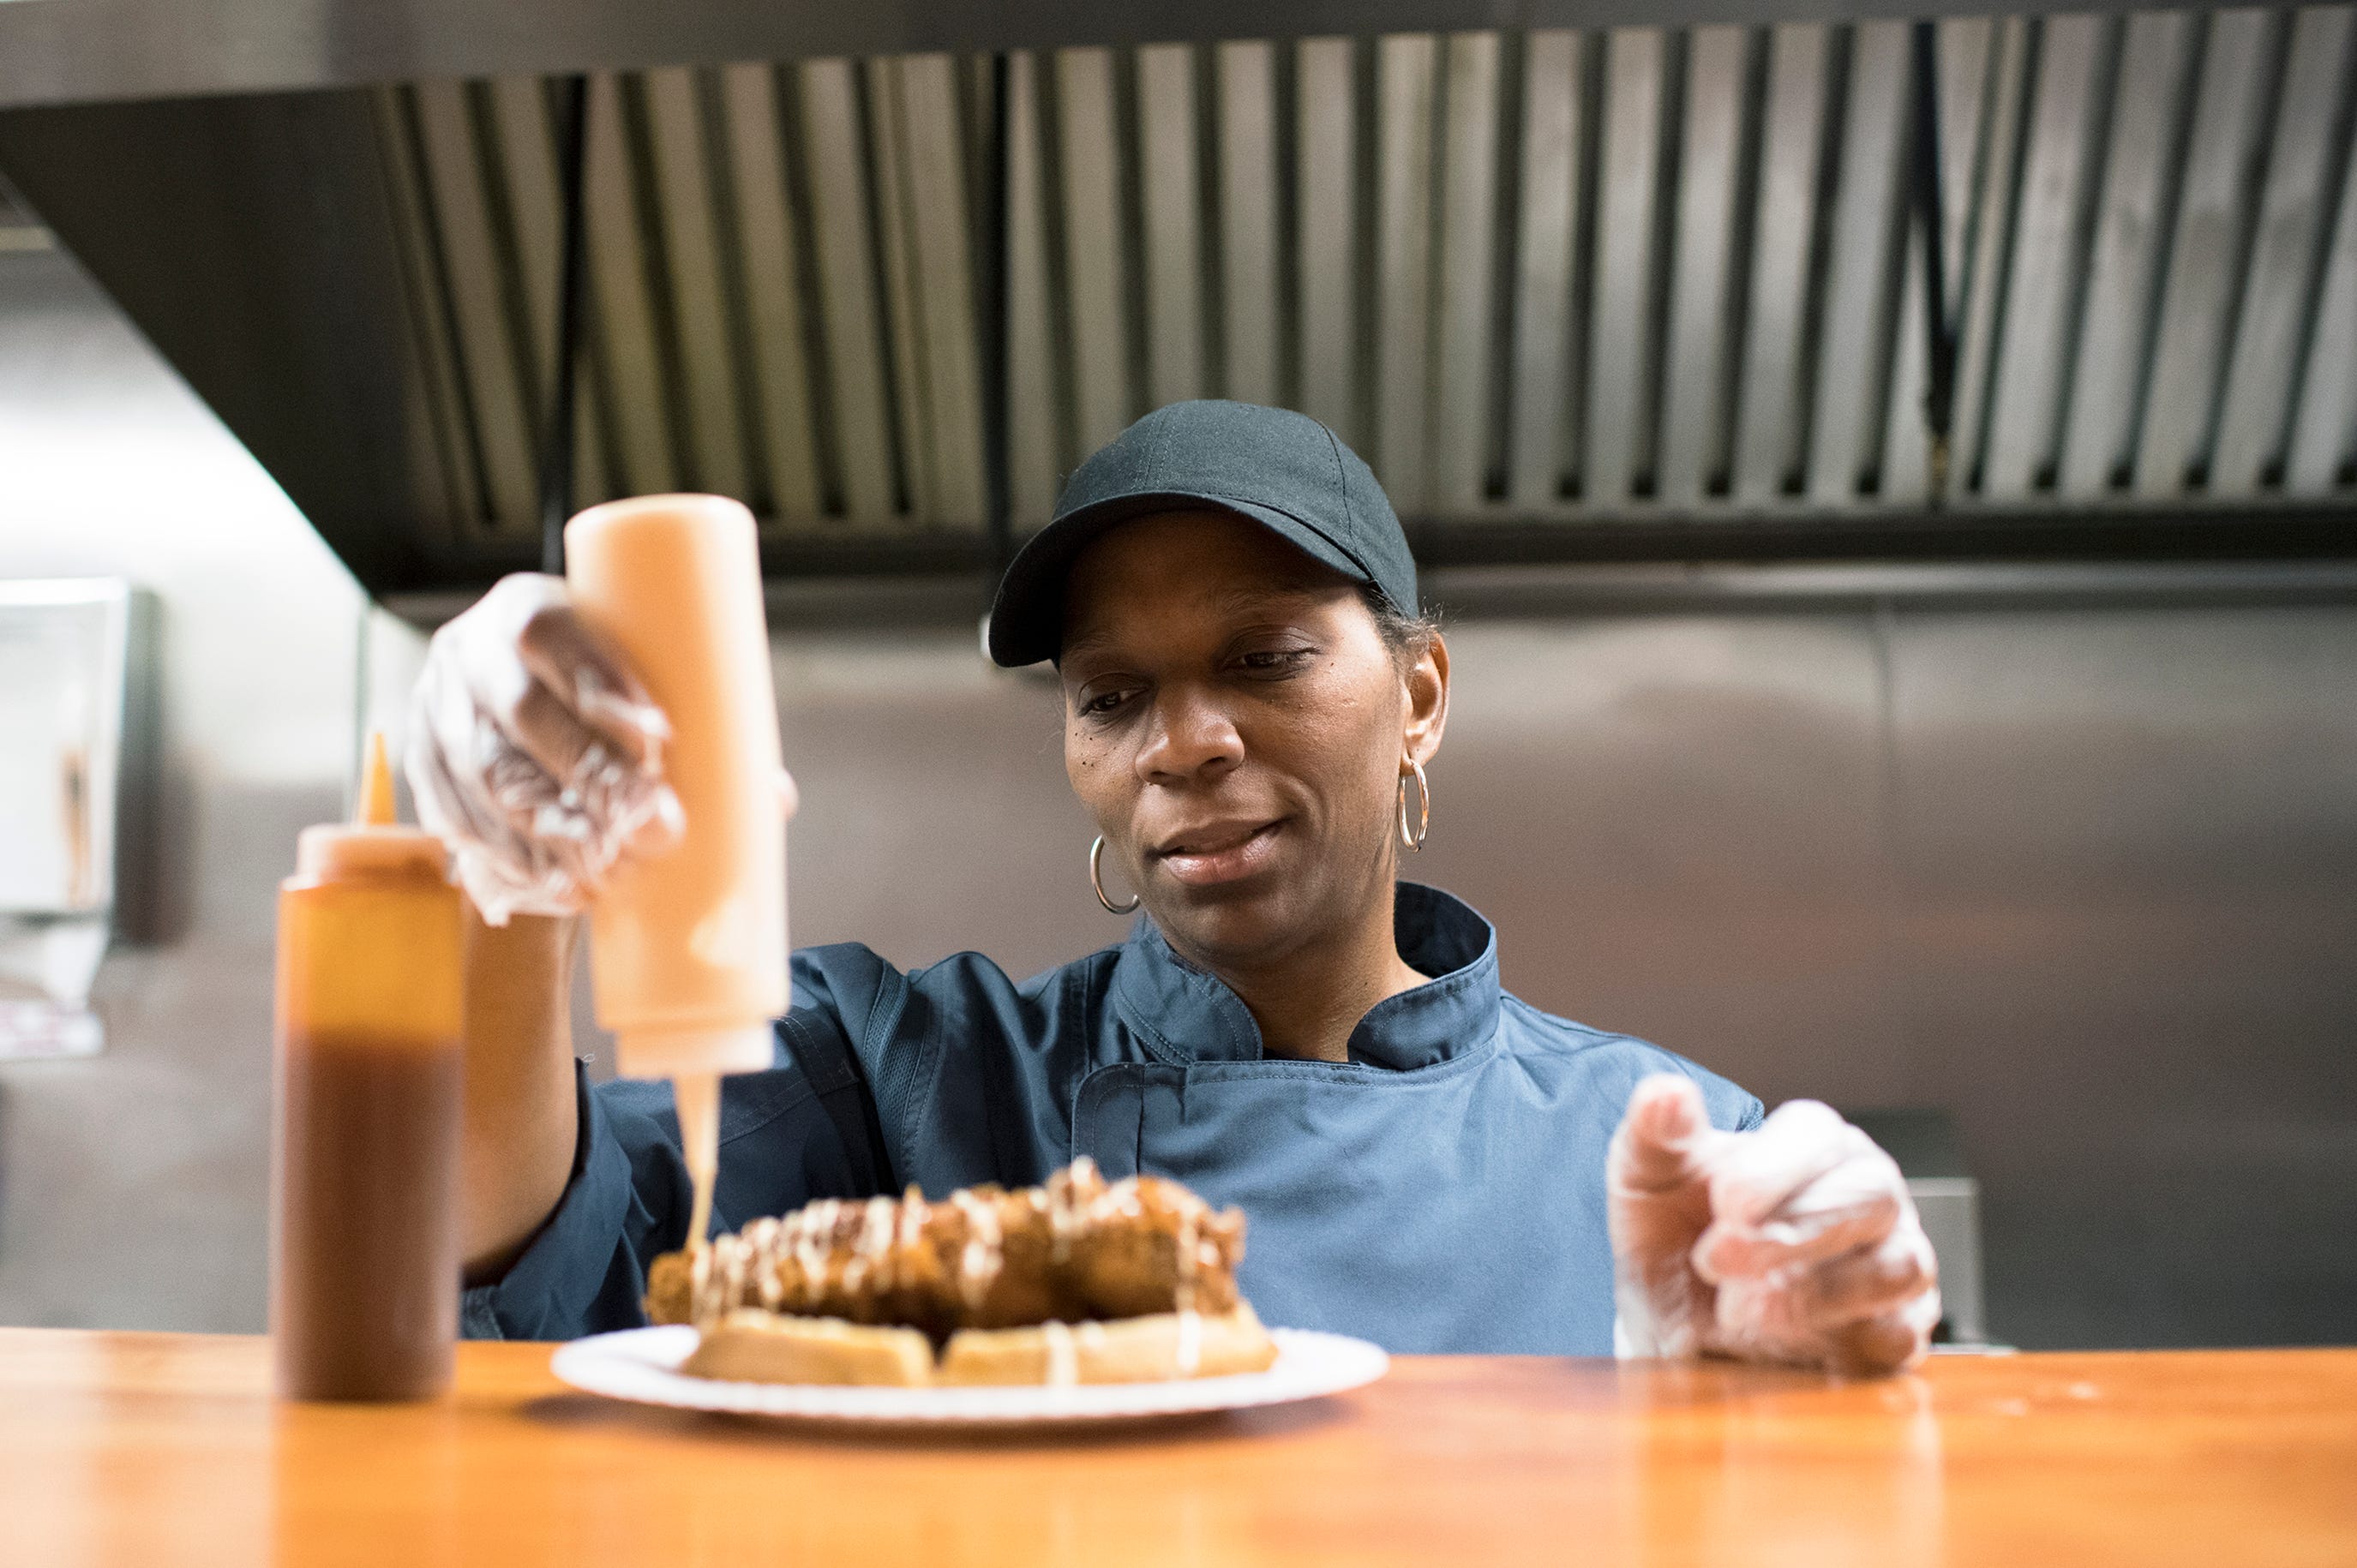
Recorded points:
(521,1122)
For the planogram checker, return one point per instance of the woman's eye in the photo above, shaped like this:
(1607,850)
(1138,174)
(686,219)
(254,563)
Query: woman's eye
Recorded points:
(1103,702)
(1273,660)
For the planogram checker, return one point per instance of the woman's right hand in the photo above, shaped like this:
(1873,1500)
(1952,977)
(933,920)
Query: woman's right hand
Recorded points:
(534,752)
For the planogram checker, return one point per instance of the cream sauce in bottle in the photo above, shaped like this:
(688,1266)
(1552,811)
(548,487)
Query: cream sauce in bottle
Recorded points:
(688,947)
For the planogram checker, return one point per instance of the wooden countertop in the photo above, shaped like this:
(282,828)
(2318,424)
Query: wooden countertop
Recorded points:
(146,1448)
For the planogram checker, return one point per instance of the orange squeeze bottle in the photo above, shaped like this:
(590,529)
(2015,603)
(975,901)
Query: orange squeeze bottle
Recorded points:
(688,947)
(364,1147)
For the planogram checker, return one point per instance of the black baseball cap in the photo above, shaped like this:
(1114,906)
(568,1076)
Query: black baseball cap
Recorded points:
(1282,470)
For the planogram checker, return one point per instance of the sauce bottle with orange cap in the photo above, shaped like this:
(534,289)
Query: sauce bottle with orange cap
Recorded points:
(364,1155)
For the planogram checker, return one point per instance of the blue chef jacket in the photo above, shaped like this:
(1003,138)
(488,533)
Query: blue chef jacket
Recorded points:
(1443,1190)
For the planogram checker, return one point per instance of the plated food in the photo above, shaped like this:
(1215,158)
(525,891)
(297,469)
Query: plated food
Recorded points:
(1078,1281)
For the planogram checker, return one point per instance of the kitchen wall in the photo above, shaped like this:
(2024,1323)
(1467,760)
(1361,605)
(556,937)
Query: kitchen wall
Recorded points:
(131,1186)
(2076,870)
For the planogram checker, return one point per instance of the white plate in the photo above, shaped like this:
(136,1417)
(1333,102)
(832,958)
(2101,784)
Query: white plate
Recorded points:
(641,1364)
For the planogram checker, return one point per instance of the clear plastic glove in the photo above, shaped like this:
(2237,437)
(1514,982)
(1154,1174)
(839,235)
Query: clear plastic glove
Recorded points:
(1794,1243)
(534,754)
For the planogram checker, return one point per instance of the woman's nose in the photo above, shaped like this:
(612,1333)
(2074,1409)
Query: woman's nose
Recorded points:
(1190,737)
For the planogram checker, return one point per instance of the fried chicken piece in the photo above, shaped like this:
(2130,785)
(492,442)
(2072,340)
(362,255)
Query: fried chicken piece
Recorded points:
(1076,1249)
(1148,1245)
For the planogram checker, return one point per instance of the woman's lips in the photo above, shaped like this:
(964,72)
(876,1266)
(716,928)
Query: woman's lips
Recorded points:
(1233,855)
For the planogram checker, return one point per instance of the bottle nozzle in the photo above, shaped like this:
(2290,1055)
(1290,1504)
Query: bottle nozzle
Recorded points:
(374,808)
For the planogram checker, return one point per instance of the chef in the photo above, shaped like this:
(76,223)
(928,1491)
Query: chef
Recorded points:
(1253,702)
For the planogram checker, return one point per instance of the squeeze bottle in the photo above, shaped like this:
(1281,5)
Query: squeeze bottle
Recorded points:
(364,1147)
(688,947)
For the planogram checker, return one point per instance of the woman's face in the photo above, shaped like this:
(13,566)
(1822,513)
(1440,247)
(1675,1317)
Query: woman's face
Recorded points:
(1237,727)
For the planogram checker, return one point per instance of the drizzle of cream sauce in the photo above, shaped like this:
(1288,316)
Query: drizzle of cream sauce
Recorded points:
(914,1212)
(1182,1291)
(871,1253)
(695,1100)
(1063,1356)
(811,1246)
(984,1253)
(1068,1195)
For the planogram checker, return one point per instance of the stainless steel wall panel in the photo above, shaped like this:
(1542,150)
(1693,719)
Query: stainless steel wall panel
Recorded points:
(1694,359)
(523,162)
(693,247)
(899,290)
(1326,233)
(1096,263)
(835,144)
(526,159)
(2122,843)
(774,291)
(1621,384)
(1406,95)
(1545,386)
(1463,349)
(2294,215)
(2206,251)
(2324,431)
(1710,784)
(2149,109)
(1769,422)
(921,164)
(624,312)
(1168,151)
(2048,238)
(942,228)
(445,472)
(1249,321)
(1990,234)
(1854,347)
(486,352)
(1036,425)
(134,1185)
(1962,55)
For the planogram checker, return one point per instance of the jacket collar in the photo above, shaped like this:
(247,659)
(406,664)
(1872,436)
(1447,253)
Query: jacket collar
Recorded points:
(1185,1014)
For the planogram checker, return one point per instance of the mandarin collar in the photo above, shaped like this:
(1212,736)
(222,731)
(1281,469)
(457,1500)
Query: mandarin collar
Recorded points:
(1185,1014)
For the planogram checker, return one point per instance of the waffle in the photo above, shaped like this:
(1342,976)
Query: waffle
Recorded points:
(1079,1280)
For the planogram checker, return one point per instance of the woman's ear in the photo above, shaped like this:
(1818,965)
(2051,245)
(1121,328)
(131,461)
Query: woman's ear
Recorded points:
(1427,699)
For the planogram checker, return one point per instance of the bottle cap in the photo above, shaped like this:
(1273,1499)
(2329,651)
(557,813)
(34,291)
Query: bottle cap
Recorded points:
(371,845)
(659,1053)
(374,808)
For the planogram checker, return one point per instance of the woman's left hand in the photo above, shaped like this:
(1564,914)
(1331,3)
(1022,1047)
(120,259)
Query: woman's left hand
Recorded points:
(1794,1243)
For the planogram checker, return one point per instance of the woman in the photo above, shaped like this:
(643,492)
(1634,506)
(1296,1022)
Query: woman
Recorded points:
(1252,698)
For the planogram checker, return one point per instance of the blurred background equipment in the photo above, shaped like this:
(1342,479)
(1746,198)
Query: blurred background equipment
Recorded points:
(1924,1144)
(2023,787)
(66,648)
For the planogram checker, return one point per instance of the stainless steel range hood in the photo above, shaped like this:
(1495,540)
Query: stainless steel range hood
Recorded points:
(55,51)
(1643,292)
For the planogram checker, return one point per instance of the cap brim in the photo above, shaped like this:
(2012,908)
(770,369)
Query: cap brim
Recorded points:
(1027,617)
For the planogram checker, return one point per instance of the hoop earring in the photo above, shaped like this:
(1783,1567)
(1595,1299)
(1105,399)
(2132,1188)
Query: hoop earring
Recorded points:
(1412,841)
(1096,852)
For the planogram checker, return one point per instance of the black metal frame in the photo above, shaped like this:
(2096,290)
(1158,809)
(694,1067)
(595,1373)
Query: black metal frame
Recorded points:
(2097,534)
(556,449)
(1963,538)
